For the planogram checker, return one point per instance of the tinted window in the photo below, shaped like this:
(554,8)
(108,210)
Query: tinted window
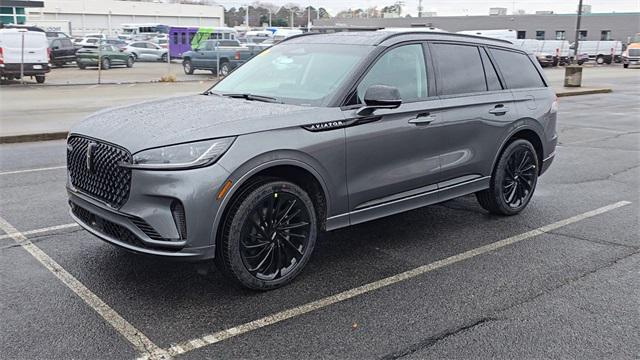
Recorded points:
(66,43)
(229,43)
(493,83)
(517,69)
(403,68)
(55,43)
(137,45)
(459,69)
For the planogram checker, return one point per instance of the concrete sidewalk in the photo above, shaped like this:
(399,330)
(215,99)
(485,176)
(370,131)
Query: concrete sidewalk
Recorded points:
(35,113)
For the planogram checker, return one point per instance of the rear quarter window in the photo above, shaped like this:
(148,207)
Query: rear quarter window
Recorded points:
(518,70)
(459,69)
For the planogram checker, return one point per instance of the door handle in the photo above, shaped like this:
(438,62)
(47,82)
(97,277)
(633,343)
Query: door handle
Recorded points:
(499,110)
(422,119)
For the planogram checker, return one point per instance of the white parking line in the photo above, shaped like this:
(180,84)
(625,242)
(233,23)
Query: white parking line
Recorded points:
(140,342)
(32,170)
(219,336)
(40,231)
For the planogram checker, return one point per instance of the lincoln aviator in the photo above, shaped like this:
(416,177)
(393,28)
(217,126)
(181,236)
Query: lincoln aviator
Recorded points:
(316,133)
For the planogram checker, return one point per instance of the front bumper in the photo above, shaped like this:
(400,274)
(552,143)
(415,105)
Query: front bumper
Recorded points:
(147,223)
(631,61)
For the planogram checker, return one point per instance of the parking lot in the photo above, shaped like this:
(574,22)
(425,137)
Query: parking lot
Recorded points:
(559,280)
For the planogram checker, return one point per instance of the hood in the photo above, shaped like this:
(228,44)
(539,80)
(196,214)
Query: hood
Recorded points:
(190,118)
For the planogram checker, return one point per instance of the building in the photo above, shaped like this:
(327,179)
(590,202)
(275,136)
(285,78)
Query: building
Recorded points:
(107,16)
(497,11)
(586,9)
(13,12)
(609,26)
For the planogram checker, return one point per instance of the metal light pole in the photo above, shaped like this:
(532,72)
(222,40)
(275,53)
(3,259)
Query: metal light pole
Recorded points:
(577,39)
(308,17)
(246,16)
(22,59)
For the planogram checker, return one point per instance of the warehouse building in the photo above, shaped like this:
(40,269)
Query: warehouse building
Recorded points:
(107,16)
(608,26)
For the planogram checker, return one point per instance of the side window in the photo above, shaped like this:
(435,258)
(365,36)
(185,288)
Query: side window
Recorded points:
(226,35)
(208,46)
(459,69)
(517,69)
(493,82)
(402,67)
(55,43)
(175,38)
(183,38)
(66,43)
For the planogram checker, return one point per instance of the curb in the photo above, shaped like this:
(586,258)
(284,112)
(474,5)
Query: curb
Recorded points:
(33,137)
(63,134)
(583,92)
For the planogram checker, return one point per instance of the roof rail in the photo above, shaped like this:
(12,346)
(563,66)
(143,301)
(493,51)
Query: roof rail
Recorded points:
(400,33)
(298,35)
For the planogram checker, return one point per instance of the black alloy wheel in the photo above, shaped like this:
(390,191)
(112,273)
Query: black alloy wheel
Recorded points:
(520,176)
(275,236)
(513,180)
(268,235)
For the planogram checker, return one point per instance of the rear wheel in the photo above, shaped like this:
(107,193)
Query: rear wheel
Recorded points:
(268,235)
(625,66)
(164,58)
(513,180)
(225,69)
(40,79)
(130,61)
(188,67)
(600,60)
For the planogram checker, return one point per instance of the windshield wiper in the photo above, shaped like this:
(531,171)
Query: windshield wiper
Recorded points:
(252,97)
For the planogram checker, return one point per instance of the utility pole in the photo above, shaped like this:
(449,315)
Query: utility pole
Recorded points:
(576,43)
(308,17)
(246,17)
(291,11)
(419,8)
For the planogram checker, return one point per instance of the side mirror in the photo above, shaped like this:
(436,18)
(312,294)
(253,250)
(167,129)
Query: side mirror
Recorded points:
(380,97)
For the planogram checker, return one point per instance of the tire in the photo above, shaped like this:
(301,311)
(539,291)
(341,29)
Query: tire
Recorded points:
(600,60)
(106,64)
(130,61)
(580,62)
(626,66)
(163,58)
(82,66)
(225,69)
(257,247)
(188,67)
(135,56)
(513,180)
(40,79)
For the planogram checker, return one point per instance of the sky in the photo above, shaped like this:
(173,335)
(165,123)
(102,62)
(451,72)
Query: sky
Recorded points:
(462,7)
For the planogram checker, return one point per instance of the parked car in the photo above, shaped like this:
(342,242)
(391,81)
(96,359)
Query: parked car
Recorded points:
(36,54)
(119,44)
(86,41)
(62,51)
(318,133)
(146,50)
(229,53)
(109,56)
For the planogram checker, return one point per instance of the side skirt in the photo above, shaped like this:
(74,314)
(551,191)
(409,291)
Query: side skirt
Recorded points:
(411,202)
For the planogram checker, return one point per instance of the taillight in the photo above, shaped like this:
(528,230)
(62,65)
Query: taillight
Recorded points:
(1,56)
(237,56)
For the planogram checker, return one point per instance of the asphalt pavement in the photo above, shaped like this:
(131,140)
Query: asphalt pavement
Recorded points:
(560,280)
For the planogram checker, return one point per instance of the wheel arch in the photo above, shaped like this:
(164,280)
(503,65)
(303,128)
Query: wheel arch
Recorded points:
(289,169)
(525,131)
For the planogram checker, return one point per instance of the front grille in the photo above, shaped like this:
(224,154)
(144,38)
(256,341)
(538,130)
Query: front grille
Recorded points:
(634,52)
(106,227)
(96,172)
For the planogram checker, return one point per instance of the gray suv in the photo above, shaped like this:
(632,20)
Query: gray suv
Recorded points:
(319,132)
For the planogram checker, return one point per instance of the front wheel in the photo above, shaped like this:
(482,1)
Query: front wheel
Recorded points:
(268,236)
(164,58)
(106,64)
(625,66)
(600,60)
(188,67)
(40,79)
(130,61)
(513,180)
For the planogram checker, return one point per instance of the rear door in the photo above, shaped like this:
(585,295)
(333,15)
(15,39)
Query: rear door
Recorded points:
(477,111)
(35,47)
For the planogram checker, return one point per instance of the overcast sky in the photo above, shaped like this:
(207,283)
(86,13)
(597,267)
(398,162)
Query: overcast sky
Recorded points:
(462,7)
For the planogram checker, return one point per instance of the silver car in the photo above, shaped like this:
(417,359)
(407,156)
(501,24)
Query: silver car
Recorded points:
(320,132)
(146,50)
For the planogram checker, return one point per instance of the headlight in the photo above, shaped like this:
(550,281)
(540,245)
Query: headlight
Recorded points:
(183,156)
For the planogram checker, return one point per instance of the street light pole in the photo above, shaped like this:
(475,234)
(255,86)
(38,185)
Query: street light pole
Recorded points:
(577,39)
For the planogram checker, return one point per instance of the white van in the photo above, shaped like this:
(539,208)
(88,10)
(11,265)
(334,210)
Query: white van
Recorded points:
(502,34)
(604,51)
(36,54)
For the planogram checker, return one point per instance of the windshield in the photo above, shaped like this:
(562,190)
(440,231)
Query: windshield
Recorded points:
(304,74)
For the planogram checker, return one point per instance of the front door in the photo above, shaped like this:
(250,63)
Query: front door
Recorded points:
(393,153)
